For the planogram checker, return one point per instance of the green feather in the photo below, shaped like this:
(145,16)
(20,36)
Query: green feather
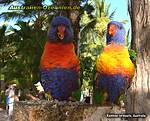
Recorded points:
(77,94)
(98,97)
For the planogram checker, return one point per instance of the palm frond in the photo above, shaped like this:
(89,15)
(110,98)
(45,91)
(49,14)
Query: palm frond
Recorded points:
(102,5)
(87,28)
(2,30)
(2,34)
(6,2)
(112,14)
(124,21)
(88,8)
(127,39)
(13,15)
(107,9)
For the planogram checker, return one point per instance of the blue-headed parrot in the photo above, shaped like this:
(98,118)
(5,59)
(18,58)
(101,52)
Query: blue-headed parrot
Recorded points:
(59,65)
(114,67)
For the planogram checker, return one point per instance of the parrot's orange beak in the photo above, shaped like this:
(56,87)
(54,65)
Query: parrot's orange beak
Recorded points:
(61,31)
(112,30)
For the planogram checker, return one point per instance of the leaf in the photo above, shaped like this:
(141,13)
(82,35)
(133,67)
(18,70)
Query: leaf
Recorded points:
(112,14)
(87,28)
(127,39)
(132,54)
(124,21)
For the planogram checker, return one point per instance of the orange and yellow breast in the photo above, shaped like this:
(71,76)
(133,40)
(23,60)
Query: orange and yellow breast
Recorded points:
(115,60)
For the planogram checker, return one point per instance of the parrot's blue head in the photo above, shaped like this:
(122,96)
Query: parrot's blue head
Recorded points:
(115,33)
(60,30)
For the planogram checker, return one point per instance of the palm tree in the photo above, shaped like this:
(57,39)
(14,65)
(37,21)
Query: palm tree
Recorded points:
(97,20)
(21,49)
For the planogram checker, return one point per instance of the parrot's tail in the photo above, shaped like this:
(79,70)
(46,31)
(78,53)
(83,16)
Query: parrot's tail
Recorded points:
(59,82)
(113,84)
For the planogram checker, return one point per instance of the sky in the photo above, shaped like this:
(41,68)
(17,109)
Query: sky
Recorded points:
(120,14)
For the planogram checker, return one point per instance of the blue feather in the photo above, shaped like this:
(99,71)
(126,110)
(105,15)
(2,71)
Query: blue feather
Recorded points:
(119,37)
(59,82)
(113,84)
(52,33)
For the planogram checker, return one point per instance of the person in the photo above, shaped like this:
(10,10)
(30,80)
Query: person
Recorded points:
(85,96)
(11,97)
(39,88)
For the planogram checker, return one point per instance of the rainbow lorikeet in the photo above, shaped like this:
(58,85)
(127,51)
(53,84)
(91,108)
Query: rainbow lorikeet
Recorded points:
(59,64)
(114,67)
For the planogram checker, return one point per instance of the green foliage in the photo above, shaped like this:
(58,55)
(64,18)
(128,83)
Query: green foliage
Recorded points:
(21,50)
(122,97)
(127,42)
(124,21)
(22,55)
(93,31)
(132,54)
(2,99)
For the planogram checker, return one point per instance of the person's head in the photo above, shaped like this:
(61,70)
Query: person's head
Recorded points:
(12,86)
(60,30)
(115,33)
(39,87)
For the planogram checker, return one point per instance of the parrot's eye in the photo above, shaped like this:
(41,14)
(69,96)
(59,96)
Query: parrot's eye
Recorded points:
(111,30)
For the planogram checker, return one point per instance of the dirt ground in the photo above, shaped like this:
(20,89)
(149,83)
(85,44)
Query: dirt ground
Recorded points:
(3,115)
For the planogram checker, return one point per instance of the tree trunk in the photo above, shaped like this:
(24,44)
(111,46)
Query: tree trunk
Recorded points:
(74,15)
(138,96)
